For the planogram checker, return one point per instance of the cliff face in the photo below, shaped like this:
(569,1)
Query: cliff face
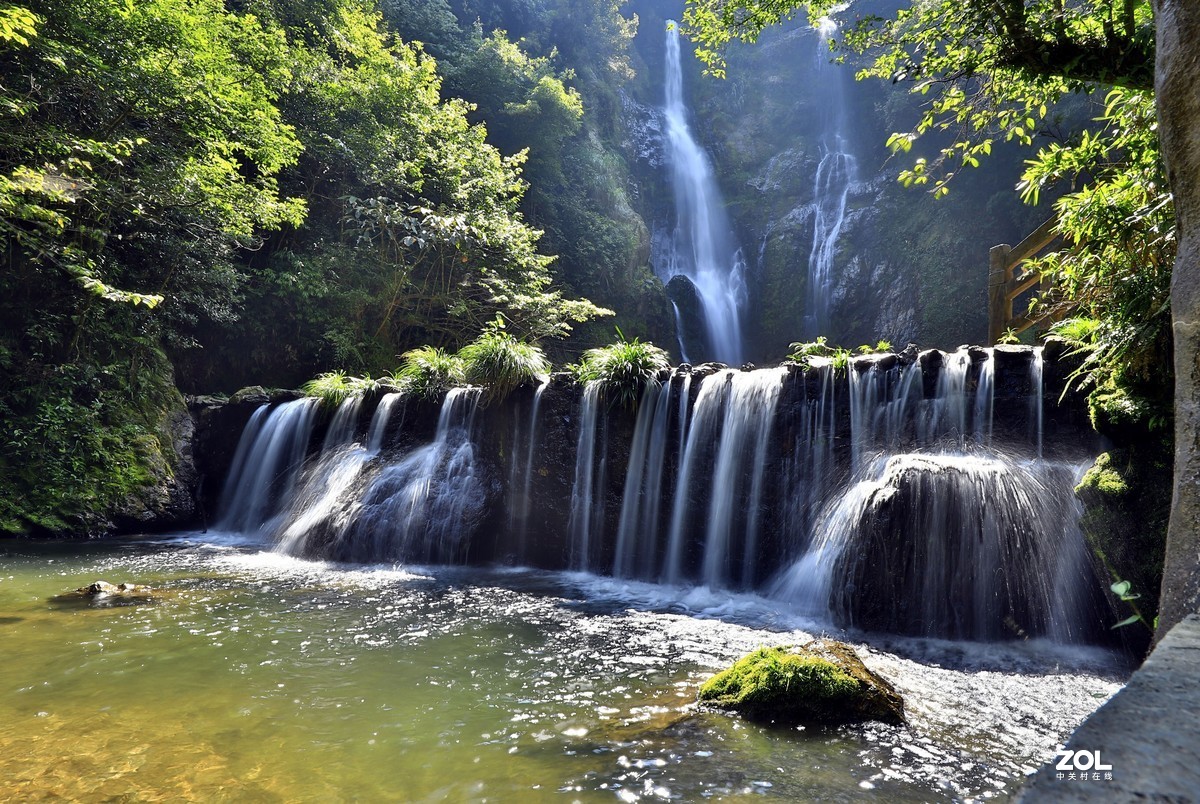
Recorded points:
(903,267)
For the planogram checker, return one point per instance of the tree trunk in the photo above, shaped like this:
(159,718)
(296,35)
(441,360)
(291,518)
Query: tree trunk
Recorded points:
(1177,86)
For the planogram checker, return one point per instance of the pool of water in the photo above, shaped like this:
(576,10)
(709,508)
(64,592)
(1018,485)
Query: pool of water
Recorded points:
(254,677)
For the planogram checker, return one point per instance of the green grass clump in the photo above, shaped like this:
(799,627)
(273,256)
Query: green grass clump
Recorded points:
(429,372)
(501,363)
(1104,477)
(624,368)
(773,682)
(811,354)
(335,387)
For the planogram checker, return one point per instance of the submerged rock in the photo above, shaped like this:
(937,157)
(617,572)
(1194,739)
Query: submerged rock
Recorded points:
(822,682)
(103,593)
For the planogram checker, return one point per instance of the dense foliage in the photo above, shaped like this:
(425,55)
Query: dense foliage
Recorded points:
(260,189)
(989,73)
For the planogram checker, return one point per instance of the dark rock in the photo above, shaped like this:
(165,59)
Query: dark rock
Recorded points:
(705,369)
(686,299)
(822,682)
(253,395)
(103,593)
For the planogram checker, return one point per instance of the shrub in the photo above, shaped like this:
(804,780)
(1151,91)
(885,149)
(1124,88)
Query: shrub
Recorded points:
(335,387)
(429,372)
(501,363)
(812,354)
(623,368)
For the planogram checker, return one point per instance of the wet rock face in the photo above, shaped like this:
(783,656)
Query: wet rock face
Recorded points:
(962,548)
(823,682)
(168,499)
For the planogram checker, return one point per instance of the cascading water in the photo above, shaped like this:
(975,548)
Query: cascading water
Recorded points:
(584,516)
(702,244)
(881,495)
(264,468)
(519,508)
(422,508)
(950,538)
(831,185)
(377,431)
(642,468)
(738,473)
(341,428)
(719,493)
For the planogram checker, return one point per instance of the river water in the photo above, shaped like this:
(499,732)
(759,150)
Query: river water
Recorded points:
(258,677)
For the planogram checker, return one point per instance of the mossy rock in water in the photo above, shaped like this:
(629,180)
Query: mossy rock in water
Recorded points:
(822,682)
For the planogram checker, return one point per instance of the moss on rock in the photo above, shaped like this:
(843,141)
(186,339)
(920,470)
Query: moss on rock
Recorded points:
(823,682)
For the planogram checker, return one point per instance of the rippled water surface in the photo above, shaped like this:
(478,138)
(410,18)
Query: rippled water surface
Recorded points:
(255,677)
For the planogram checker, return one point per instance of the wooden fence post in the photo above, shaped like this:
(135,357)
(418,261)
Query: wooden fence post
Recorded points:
(999,305)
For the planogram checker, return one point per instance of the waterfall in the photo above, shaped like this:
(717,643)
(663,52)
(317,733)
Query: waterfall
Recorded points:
(269,455)
(983,541)
(735,411)
(809,471)
(377,431)
(902,493)
(985,400)
(341,428)
(701,432)
(831,185)
(948,409)
(749,414)
(519,511)
(1036,398)
(683,355)
(583,513)
(702,242)
(423,507)
(650,427)
(938,535)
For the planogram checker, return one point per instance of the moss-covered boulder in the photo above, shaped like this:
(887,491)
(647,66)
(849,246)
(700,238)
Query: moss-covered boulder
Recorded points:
(822,682)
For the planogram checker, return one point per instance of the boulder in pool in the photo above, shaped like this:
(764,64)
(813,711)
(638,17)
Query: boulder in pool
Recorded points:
(103,593)
(823,682)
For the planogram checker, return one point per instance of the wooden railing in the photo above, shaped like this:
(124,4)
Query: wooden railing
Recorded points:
(1005,284)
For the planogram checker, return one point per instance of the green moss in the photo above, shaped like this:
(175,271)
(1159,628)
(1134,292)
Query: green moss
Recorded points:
(824,683)
(1103,477)
(88,445)
(759,681)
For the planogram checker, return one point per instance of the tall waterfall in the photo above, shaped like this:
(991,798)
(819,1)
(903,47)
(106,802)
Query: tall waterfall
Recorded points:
(703,247)
(831,185)
(920,494)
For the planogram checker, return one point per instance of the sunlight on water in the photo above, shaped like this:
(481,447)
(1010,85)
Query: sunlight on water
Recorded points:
(257,676)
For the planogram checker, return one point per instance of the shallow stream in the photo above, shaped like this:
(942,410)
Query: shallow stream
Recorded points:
(256,677)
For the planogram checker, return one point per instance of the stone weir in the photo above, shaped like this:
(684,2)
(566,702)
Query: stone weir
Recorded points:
(921,492)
